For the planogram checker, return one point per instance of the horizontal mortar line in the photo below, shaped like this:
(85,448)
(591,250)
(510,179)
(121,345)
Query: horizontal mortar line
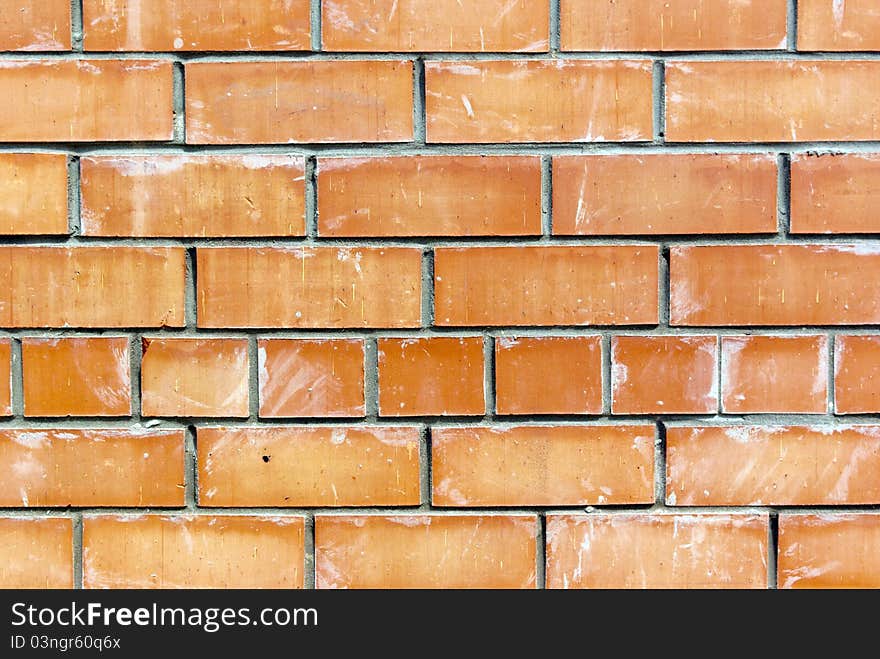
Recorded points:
(475,511)
(411,148)
(295,243)
(326,333)
(174,423)
(228,56)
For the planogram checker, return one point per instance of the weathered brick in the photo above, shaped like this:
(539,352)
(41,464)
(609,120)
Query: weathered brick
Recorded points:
(641,550)
(323,287)
(88,468)
(835,193)
(35,25)
(91,286)
(429,196)
(542,465)
(201,196)
(772,465)
(838,25)
(309,466)
(198,25)
(590,285)
(76,376)
(33,194)
(5,377)
(36,552)
(194,551)
(664,194)
(288,101)
(856,374)
(425,551)
(538,101)
(85,100)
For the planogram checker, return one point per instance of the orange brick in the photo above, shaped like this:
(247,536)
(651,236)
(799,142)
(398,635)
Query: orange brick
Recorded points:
(609,25)
(36,552)
(657,551)
(838,25)
(439,26)
(783,374)
(431,376)
(85,100)
(287,101)
(5,377)
(193,551)
(311,378)
(856,374)
(171,25)
(664,194)
(429,196)
(35,25)
(543,465)
(91,287)
(770,466)
(538,101)
(829,551)
(76,376)
(548,375)
(425,551)
(774,285)
(194,377)
(309,466)
(204,196)
(323,287)
(784,101)
(577,285)
(664,374)
(105,467)
(835,193)
(33,193)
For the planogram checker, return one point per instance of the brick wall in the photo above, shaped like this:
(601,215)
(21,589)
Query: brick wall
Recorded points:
(508,293)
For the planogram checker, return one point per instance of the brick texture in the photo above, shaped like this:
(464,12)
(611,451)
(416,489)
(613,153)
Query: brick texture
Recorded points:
(402,294)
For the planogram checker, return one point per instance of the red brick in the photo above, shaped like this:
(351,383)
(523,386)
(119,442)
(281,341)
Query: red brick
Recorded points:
(202,196)
(85,100)
(439,26)
(784,101)
(664,374)
(538,101)
(33,194)
(88,468)
(835,193)
(775,285)
(429,196)
(838,25)
(829,551)
(856,374)
(773,466)
(645,25)
(309,466)
(782,374)
(664,194)
(76,376)
(194,377)
(35,25)
(36,552)
(639,550)
(548,375)
(5,377)
(542,465)
(323,287)
(287,101)
(198,25)
(311,378)
(91,286)
(431,376)
(425,551)
(193,551)
(576,285)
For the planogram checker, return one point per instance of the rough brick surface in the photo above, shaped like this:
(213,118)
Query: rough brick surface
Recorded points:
(398,293)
